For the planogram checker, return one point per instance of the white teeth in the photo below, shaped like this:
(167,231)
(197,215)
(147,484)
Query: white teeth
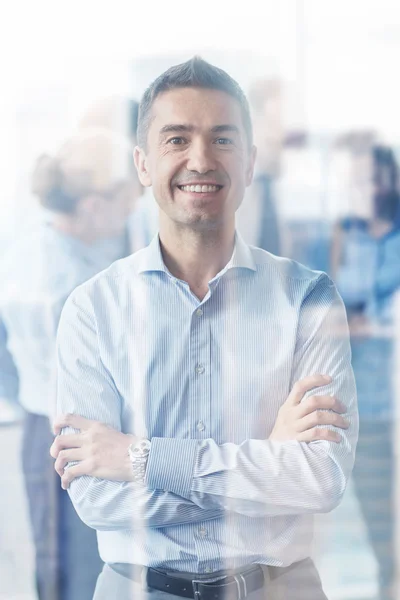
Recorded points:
(199,188)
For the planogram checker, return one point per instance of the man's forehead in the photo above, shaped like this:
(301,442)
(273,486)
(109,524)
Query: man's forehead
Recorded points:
(191,106)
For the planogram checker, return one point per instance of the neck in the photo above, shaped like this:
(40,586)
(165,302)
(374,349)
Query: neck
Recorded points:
(196,256)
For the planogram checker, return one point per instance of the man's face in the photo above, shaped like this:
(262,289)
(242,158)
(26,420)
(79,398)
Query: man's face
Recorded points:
(197,157)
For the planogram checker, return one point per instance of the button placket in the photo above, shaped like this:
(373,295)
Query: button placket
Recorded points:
(202,531)
(199,381)
(206,547)
(200,369)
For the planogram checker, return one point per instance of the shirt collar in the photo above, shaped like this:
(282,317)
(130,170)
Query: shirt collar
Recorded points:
(151,259)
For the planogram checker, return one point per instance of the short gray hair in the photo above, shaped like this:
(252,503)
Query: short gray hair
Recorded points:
(195,73)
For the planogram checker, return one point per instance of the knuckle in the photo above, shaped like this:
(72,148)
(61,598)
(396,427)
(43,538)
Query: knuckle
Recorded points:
(57,446)
(316,418)
(298,387)
(96,431)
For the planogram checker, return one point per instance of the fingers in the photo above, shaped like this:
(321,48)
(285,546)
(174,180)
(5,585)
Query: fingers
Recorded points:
(69,420)
(316,434)
(321,418)
(73,440)
(70,474)
(303,386)
(314,403)
(66,456)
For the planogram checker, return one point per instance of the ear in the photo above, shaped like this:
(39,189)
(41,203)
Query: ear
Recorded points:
(141,161)
(250,165)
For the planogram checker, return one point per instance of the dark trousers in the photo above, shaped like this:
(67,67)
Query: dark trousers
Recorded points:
(67,559)
(373,476)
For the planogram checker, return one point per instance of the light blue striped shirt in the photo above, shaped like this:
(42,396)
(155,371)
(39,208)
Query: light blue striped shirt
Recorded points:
(204,380)
(36,277)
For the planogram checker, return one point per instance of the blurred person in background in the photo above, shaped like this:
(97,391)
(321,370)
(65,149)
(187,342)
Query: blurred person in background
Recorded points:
(257,217)
(88,189)
(366,267)
(120,114)
(308,230)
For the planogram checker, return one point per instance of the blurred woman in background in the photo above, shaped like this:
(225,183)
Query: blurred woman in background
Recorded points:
(88,190)
(366,267)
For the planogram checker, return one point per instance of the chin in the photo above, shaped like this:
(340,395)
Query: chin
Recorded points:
(205,222)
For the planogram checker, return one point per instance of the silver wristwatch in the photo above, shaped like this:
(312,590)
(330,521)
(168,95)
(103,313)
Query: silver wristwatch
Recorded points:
(138,454)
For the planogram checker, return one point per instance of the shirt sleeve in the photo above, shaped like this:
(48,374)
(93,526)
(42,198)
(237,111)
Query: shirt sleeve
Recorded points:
(9,382)
(262,477)
(85,387)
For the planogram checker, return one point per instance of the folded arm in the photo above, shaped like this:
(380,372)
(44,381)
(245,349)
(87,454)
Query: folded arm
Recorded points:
(270,477)
(86,388)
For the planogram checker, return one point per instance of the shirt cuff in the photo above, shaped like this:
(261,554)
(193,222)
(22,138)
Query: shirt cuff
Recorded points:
(171,464)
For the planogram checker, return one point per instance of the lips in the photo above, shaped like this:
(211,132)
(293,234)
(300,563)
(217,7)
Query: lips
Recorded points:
(200,188)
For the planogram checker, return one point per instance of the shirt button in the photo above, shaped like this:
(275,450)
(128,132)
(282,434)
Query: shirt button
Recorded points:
(208,570)
(199,312)
(200,369)
(201,426)
(202,532)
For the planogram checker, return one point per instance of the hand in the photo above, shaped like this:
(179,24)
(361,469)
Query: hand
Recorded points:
(99,450)
(297,420)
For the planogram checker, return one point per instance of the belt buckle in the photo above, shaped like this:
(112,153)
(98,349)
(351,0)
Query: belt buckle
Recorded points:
(195,585)
(241,596)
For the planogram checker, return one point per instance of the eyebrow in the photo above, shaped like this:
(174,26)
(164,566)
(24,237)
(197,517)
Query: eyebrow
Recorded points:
(177,128)
(223,128)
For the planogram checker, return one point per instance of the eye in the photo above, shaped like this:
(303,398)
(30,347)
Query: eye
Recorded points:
(176,141)
(223,141)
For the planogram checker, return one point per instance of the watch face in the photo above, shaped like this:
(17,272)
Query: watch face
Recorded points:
(141,449)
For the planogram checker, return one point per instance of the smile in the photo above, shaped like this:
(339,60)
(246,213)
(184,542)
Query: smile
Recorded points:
(200,189)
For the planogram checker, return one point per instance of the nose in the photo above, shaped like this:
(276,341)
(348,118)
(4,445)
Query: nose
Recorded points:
(200,157)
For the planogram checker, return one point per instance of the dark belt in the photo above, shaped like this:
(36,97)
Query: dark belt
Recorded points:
(231,587)
(236,586)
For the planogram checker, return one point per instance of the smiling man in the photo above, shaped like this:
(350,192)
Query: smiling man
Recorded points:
(208,383)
